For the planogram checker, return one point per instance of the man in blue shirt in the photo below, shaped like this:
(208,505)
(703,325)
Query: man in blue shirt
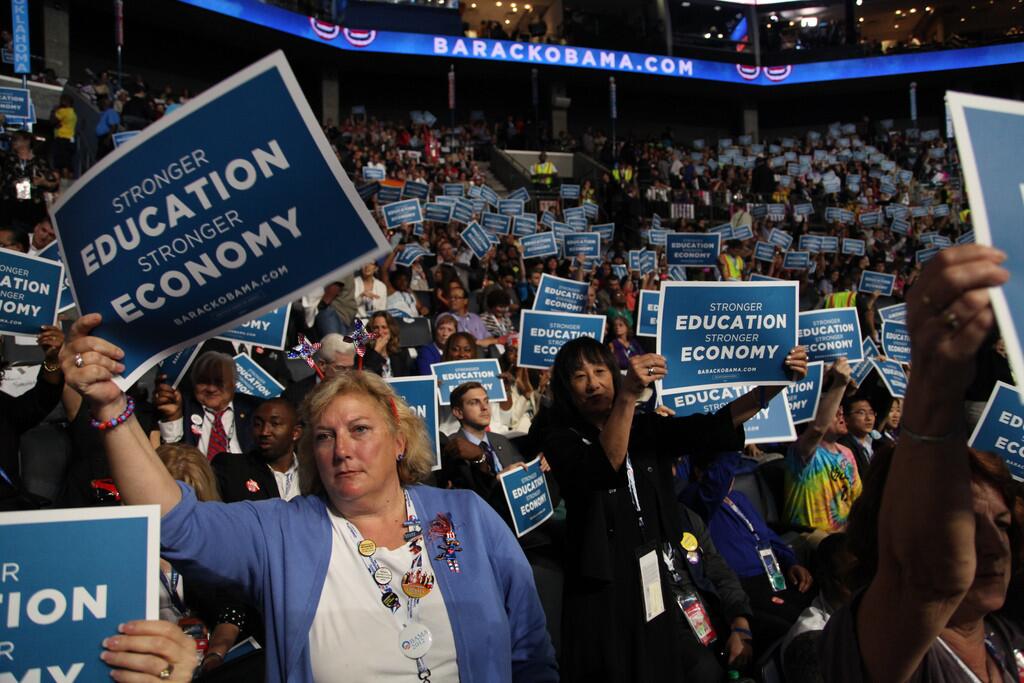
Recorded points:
(108,124)
(775,582)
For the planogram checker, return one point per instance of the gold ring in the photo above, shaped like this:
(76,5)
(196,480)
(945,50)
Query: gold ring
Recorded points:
(166,673)
(650,371)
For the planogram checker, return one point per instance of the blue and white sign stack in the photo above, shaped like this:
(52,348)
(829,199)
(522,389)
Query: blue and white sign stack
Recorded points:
(542,334)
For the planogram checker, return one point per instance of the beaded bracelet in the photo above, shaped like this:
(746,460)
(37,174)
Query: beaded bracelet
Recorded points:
(114,421)
(927,438)
(744,631)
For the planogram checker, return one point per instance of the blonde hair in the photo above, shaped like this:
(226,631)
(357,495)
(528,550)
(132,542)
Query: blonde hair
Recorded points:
(418,459)
(188,464)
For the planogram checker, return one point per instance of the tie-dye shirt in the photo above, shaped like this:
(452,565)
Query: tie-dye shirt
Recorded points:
(819,493)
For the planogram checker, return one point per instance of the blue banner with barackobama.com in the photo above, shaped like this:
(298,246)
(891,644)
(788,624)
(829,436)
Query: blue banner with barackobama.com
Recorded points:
(252,380)
(68,579)
(831,333)
(772,424)
(268,330)
(692,248)
(714,334)
(805,394)
(405,211)
(420,394)
(558,294)
(453,373)
(1001,428)
(476,239)
(177,364)
(542,334)
(893,375)
(647,313)
(29,292)
(527,495)
(206,220)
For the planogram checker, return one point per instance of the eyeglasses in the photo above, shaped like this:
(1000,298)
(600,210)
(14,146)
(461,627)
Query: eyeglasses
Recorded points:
(863,413)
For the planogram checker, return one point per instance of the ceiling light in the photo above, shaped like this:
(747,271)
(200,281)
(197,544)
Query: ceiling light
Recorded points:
(719,36)
(913,10)
(894,25)
(707,35)
(515,9)
(927,9)
(962,19)
(528,7)
(860,2)
(861,20)
(498,3)
(507,21)
(768,26)
(718,8)
(775,17)
(473,6)
(792,23)
(686,4)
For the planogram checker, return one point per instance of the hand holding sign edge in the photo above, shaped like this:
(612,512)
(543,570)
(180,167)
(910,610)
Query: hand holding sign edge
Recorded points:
(94,380)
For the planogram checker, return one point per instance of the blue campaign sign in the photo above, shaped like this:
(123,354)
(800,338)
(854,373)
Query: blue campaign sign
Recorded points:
(441,213)
(511,207)
(408,256)
(567,191)
(657,237)
(872,282)
(829,244)
(252,380)
(20,37)
(420,394)
(524,224)
(124,136)
(853,247)
(539,245)
(177,364)
(994,178)
(521,193)
(543,333)
(489,195)
(15,102)
(204,221)
(757,277)
(267,330)
(647,313)
(893,375)
(633,258)
(771,425)
(1001,428)
(453,373)
(462,211)
(561,230)
(896,313)
(896,341)
(742,232)
(416,189)
(605,230)
(923,256)
(810,243)
(620,271)
(29,292)
(496,223)
(732,333)
(780,238)
(764,251)
(677,273)
(476,239)
(405,211)
(454,190)
(65,301)
(692,248)
(831,333)
(548,219)
(966,238)
(648,261)
(583,244)
(725,230)
(69,578)
(558,294)
(578,223)
(373,173)
(591,210)
(805,394)
(527,495)
(797,260)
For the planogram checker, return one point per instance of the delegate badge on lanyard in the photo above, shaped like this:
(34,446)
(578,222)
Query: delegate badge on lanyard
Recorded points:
(650,583)
(23,189)
(697,617)
(771,567)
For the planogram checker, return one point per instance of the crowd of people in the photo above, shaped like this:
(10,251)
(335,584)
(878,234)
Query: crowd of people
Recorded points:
(314,523)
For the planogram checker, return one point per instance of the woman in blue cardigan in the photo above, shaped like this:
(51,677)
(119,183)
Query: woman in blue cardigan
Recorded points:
(368,576)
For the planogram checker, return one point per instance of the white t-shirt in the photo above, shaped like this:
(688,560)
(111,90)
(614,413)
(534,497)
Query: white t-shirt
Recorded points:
(355,638)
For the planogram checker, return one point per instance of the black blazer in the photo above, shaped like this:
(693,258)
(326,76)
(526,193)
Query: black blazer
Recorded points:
(234,472)
(243,407)
(296,392)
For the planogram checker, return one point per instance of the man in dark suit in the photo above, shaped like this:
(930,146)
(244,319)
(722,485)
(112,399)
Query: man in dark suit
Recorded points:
(472,459)
(212,417)
(334,355)
(270,470)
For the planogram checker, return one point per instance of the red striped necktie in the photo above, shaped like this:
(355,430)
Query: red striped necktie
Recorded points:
(218,437)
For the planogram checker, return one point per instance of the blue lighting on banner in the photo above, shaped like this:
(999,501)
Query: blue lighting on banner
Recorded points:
(392,42)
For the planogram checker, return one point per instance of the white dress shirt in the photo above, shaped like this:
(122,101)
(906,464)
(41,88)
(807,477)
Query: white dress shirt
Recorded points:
(174,431)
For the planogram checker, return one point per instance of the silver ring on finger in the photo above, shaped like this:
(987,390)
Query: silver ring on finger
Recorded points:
(166,673)
(650,370)
(950,320)
(79,361)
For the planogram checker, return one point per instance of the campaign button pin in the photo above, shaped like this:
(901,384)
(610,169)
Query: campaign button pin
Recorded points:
(390,600)
(415,641)
(382,576)
(689,542)
(693,557)
(197,420)
(417,584)
(367,547)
